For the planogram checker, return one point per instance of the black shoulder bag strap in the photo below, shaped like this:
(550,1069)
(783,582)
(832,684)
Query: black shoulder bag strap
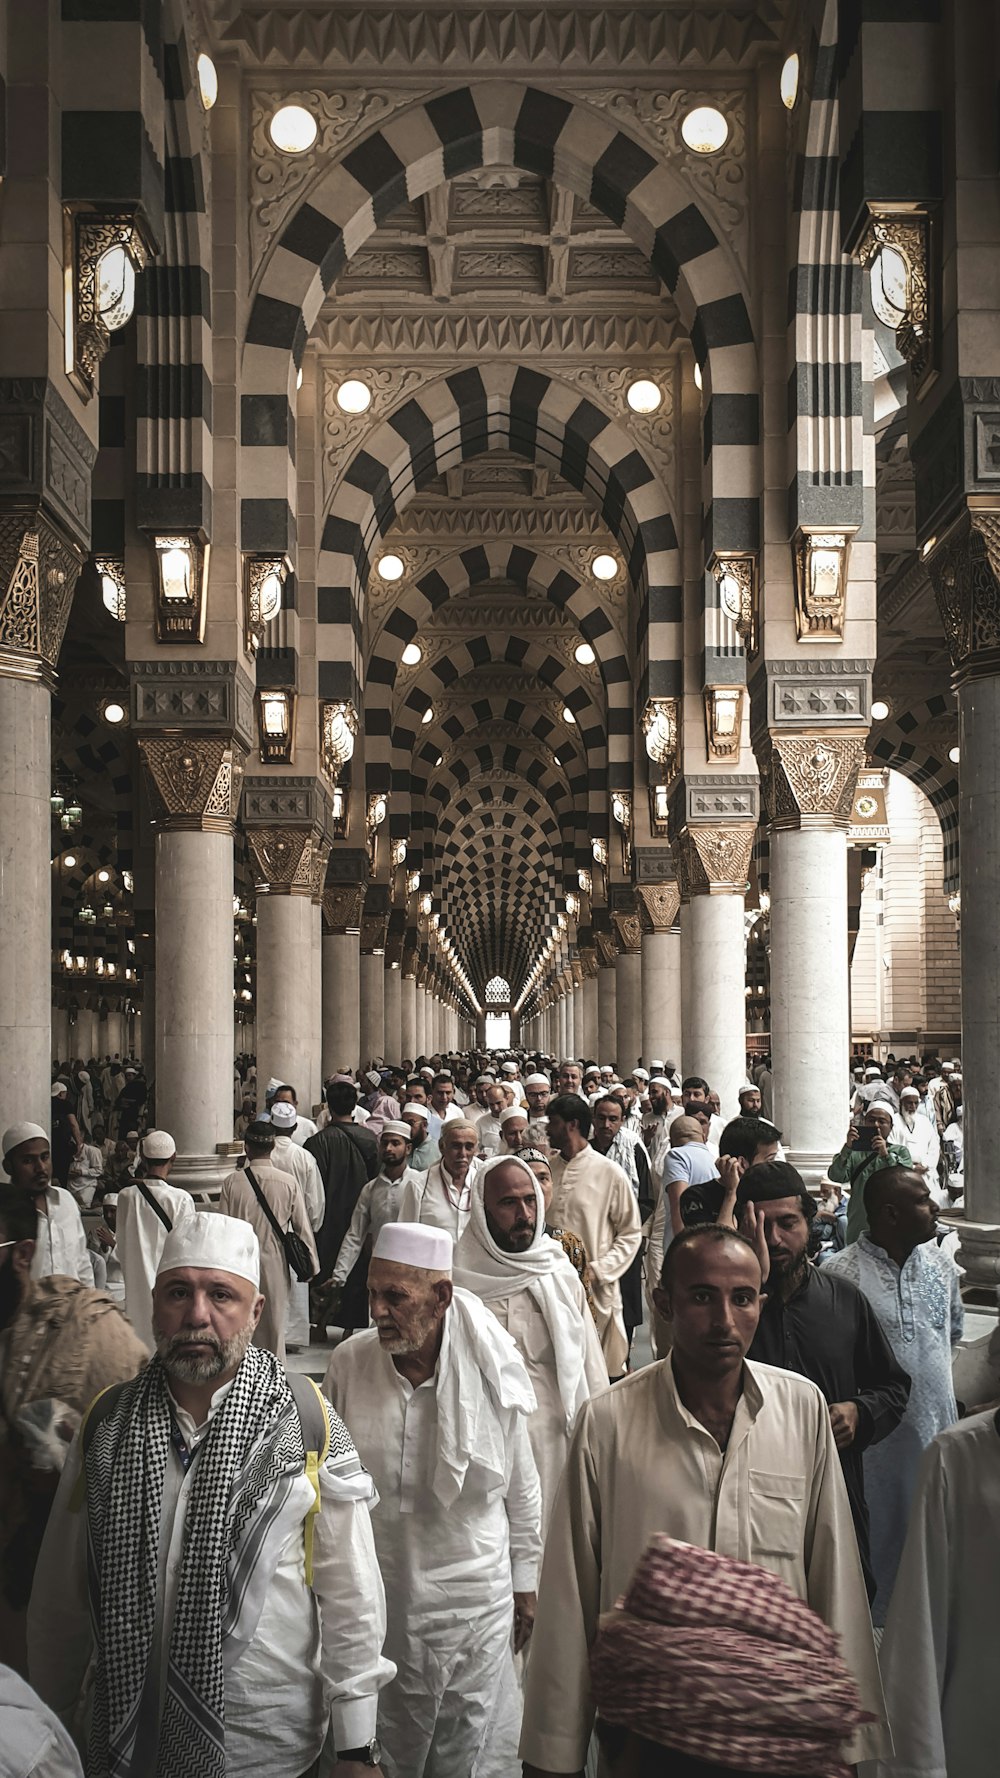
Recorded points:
(155,1206)
(265,1206)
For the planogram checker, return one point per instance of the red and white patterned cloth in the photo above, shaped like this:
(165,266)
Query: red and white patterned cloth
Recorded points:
(720,1660)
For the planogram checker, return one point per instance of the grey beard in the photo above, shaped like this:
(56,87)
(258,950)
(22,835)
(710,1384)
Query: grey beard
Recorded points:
(225,1355)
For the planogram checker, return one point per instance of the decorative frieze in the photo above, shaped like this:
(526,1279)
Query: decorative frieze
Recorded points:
(192,695)
(286,802)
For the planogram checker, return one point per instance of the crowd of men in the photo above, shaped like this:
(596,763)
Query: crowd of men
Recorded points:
(494,1538)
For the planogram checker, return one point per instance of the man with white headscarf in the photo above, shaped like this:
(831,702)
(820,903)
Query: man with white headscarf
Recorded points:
(438,1400)
(148,1208)
(210,1543)
(509,1262)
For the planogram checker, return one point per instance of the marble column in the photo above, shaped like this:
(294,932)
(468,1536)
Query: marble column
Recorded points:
(607,1013)
(579,1041)
(408,1017)
(628,1000)
(288,866)
(393,1013)
(713,862)
(659,906)
(342,905)
(590,1015)
(420,1022)
(372,1006)
(60,1034)
(137,1031)
(25,900)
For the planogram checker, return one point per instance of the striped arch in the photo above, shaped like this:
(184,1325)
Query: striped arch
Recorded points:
(506,846)
(174,377)
(896,743)
(497,566)
(505,407)
(497,124)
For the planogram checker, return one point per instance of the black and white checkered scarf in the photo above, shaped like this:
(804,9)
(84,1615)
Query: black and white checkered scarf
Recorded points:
(247,1465)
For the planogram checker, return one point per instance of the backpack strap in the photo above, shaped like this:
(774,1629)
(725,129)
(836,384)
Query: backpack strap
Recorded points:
(314,1419)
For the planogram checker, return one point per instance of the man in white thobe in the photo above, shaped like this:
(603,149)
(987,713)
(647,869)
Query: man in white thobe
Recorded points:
(488,1123)
(148,1209)
(508,1261)
(593,1197)
(912,1130)
(912,1285)
(289,1157)
(714,1451)
(237,1600)
(61,1244)
(937,1651)
(441,1196)
(438,1400)
(380,1199)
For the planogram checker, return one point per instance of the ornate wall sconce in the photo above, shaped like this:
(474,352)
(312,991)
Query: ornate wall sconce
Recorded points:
(599,849)
(896,250)
(572,905)
(103,251)
(658,809)
(819,564)
(413,882)
(181,591)
(397,853)
(585,881)
(736,578)
(661,729)
(338,732)
(276,724)
(426,903)
(111,570)
(339,807)
(723,720)
(263,579)
(621,810)
(378,809)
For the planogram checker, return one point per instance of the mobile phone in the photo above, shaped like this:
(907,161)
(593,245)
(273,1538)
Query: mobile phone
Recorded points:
(863,1140)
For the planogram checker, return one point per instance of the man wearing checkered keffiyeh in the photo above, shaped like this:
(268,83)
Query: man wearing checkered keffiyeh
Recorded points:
(233,1626)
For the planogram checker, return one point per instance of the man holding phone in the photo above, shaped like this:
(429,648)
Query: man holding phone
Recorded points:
(866,1150)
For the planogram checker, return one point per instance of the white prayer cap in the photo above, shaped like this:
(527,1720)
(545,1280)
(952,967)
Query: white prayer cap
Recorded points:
(873,1072)
(131,1135)
(282,1115)
(415,1244)
(110,1199)
(158,1145)
(909,1093)
(59,1089)
(415,1110)
(660,1080)
(509,1067)
(483,1080)
(212,1242)
(513,1111)
(428,1073)
(538,1080)
(19,1133)
(655,1067)
(592,1068)
(882,1105)
(640,1074)
(394,1126)
(607,1068)
(373,1078)
(273,1085)
(83,1075)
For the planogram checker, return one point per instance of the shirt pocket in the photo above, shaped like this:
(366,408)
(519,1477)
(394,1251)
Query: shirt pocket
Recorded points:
(776,1512)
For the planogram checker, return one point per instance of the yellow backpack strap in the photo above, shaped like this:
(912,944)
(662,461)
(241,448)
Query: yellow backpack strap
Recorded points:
(88,1426)
(316,1440)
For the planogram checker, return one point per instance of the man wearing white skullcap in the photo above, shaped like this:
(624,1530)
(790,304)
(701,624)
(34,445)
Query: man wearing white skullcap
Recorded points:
(380,1199)
(868,1148)
(60,1241)
(148,1208)
(438,1398)
(506,1259)
(440,1196)
(232,1576)
(278,1094)
(513,1129)
(283,1205)
(289,1157)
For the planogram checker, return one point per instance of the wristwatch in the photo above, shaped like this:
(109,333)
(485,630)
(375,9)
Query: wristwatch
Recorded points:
(369,1755)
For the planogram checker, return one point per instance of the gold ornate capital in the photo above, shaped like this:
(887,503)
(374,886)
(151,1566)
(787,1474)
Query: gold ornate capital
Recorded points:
(320,860)
(194,781)
(342,905)
(659,905)
(285,859)
(713,860)
(628,931)
(607,950)
(810,779)
(38,572)
(588,962)
(373,931)
(965,570)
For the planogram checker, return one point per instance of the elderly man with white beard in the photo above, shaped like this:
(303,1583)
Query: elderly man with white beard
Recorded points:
(439,1401)
(509,1262)
(917,1133)
(440,1197)
(211,1544)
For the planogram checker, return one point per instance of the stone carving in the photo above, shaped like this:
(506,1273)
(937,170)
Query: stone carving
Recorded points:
(373,931)
(607,950)
(38,572)
(194,780)
(714,860)
(200,694)
(278,182)
(721,796)
(908,233)
(719,179)
(814,692)
(443,39)
(659,905)
(342,907)
(320,858)
(363,336)
(283,859)
(810,777)
(965,570)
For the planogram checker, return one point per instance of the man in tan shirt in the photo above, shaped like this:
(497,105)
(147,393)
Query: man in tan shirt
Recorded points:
(593,1197)
(284,1196)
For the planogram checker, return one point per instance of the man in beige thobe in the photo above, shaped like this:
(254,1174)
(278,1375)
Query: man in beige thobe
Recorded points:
(734,1457)
(284,1196)
(592,1196)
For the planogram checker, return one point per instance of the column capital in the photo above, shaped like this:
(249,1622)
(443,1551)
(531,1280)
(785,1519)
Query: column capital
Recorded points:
(192,697)
(321,856)
(375,917)
(965,570)
(194,781)
(607,949)
(809,779)
(714,860)
(628,931)
(342,906)
(39,568)
(285,859)
(659,905)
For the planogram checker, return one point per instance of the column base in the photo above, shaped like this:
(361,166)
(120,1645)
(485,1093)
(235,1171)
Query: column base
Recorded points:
(811,1164)
(202,1174)
(978,1252)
